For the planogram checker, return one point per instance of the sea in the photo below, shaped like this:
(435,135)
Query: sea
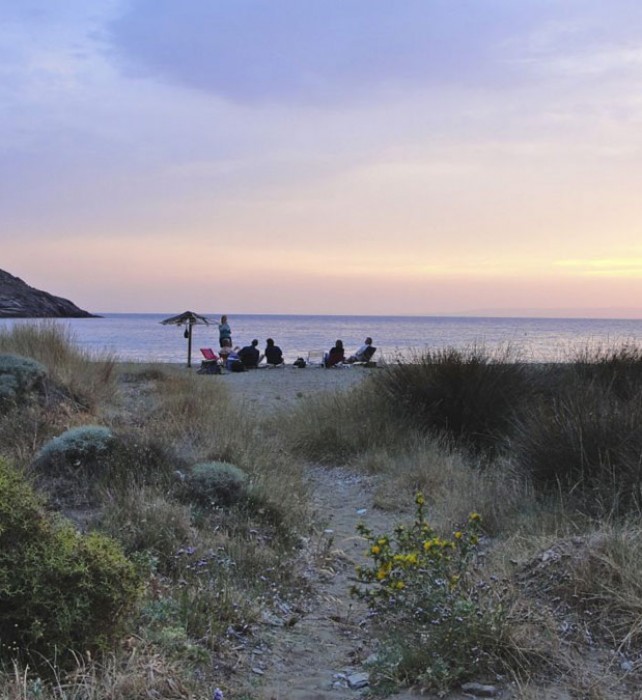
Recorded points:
(141,337)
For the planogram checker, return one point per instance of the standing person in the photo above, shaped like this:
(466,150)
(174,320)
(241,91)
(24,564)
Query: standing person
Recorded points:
(224,333)
(273,354)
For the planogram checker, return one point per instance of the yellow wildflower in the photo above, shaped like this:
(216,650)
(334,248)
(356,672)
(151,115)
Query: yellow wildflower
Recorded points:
(419,499)
(458,535)
(474,517)
(375,549)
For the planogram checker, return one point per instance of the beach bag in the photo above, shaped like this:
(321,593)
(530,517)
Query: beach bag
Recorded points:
(209,367)
(236,366)
(299,362)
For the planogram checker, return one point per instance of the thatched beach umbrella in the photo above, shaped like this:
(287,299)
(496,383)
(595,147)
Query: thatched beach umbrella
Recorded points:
(189,319)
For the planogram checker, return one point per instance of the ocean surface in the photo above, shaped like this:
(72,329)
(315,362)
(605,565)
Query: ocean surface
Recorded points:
(142,338)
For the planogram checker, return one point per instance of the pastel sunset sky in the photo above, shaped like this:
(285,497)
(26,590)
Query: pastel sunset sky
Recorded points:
(324,156)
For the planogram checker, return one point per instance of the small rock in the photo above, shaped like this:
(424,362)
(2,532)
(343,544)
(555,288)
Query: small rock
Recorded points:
(269,619)
(258,671)
(362,511)
(480,690)
(358,680)
(627,666)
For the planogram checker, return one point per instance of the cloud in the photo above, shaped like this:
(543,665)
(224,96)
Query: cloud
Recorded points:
(319,51)
(629,267)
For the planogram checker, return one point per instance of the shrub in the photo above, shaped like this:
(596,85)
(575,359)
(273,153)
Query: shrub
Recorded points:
(215,484)
(587,443)
(19,377)
(469,396)
(437,630)
(78,449)
(73,465)
(60,592)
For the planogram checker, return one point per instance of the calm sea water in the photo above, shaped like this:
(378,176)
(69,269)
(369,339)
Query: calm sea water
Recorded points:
(141,337)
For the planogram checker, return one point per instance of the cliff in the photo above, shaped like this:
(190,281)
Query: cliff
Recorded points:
(19,300)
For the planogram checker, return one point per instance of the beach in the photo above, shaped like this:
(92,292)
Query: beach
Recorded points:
(281,387)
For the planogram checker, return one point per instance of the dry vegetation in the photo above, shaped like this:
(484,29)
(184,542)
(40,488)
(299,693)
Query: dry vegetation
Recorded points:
(549,456)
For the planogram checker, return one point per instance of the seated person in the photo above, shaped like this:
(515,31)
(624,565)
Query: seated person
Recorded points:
(273,354)
(364,353)
(233,362)
(249,355)
(335,356)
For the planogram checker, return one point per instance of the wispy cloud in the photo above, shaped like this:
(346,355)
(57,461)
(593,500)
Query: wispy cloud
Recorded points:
(630,267)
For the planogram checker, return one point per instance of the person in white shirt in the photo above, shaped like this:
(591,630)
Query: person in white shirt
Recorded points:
(364,353)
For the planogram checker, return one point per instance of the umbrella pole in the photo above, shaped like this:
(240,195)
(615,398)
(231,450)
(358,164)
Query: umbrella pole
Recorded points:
(189,345)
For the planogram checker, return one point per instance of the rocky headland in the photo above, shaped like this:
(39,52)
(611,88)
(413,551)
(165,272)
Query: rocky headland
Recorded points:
(19,300)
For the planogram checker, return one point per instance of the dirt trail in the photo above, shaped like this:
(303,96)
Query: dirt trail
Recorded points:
(329,642)
(316,658)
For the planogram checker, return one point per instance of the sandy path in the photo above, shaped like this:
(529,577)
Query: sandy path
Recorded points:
(315,658)
(312,652)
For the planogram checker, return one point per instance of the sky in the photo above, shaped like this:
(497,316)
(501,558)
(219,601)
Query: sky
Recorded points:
(324,156)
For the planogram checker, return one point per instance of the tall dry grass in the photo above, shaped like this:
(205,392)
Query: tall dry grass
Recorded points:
(85,379)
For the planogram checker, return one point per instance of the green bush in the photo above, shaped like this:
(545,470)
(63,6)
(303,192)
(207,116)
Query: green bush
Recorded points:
(60,592)
(215,484)
(466,395)
(20,377)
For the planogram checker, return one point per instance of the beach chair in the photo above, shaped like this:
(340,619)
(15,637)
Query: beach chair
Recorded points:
(211,362)
(315,358)
(367,358)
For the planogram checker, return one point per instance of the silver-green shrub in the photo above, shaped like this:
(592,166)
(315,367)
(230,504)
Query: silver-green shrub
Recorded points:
(72,466)
(215,483)
(19,378)
(77,449)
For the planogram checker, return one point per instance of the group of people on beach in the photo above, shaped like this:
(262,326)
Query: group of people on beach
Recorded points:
(249,356)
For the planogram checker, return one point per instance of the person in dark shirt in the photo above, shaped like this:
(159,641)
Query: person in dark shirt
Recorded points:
(336,355)
(250,355)
(273,354)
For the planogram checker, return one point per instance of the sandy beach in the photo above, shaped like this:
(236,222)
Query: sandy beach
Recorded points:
(283,386)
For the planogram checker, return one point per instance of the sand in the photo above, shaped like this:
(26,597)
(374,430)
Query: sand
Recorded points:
(277,387)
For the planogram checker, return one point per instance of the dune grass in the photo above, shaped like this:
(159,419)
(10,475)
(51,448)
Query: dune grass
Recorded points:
(549,455)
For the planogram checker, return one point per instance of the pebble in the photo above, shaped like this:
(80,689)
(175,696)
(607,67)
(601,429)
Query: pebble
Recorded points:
(358,680)
(480,690)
